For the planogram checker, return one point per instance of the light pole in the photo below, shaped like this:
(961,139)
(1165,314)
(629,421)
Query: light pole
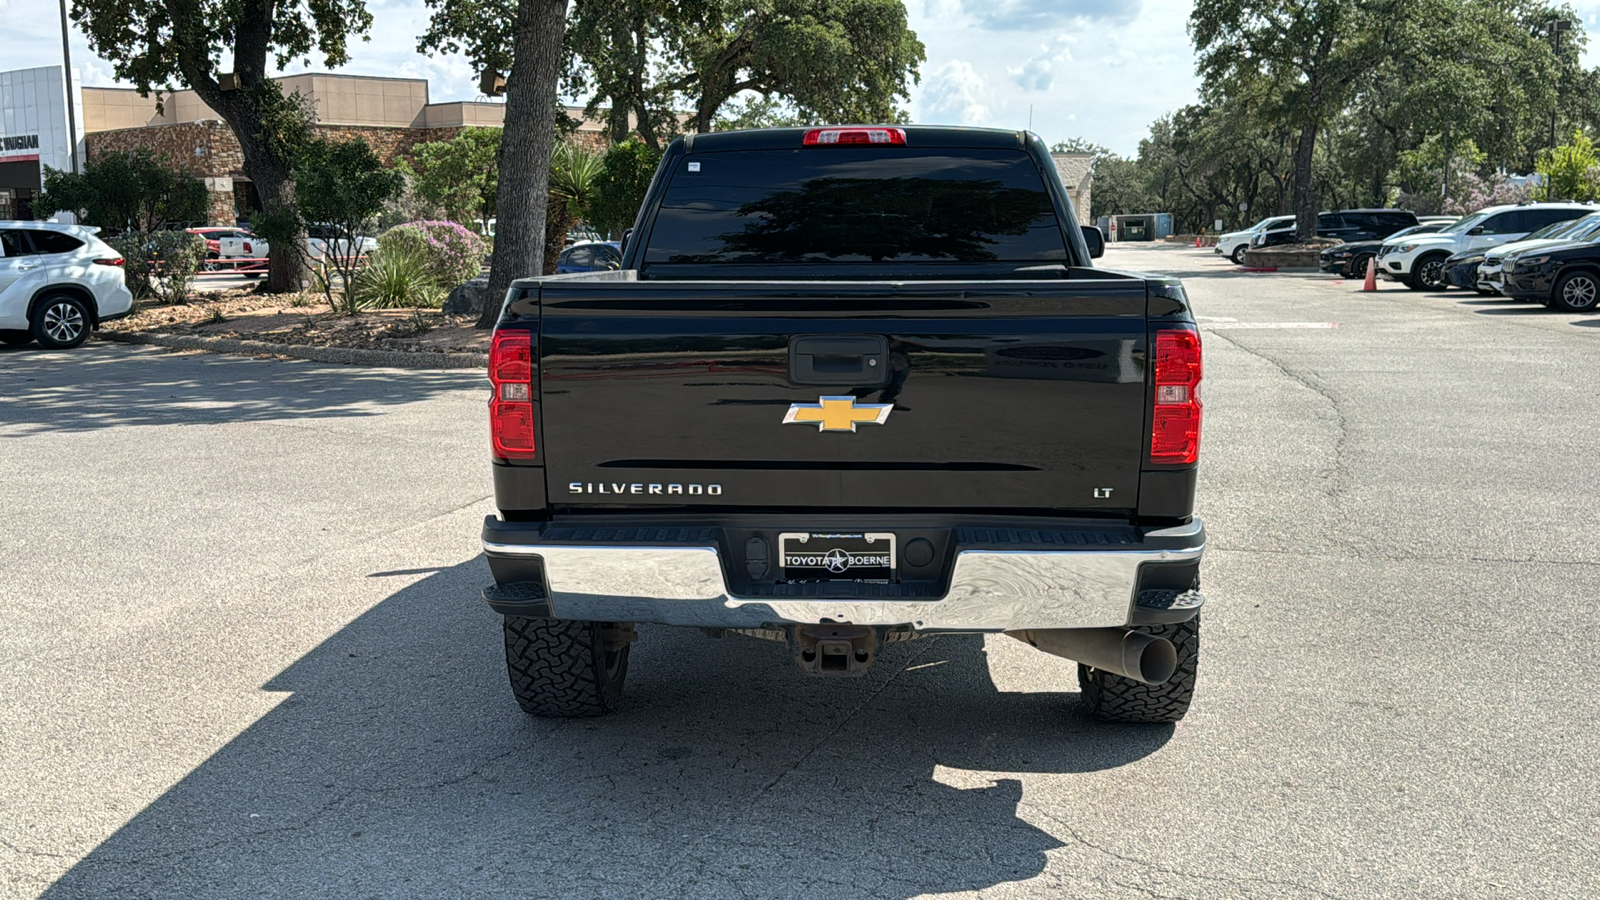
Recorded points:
(1557,26)
(66,70)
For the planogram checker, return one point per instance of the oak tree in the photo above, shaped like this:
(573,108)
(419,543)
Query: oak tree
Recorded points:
(162,44)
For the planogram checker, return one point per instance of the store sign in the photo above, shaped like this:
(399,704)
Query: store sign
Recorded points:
(20,143)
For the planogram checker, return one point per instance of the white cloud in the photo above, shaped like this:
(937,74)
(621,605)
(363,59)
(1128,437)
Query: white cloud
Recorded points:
(1038,73)
(955,91)
(1130,63)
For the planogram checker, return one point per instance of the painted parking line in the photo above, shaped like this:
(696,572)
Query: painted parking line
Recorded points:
(1218,326)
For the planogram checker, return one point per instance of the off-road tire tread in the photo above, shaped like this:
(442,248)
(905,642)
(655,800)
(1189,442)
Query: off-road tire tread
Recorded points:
(557,668)
(1112,698)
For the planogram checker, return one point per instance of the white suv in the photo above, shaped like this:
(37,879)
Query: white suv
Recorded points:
(1235,243)
(1418,259)
(57,282)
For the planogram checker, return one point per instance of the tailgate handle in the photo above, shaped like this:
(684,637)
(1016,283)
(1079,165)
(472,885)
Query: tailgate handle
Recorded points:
(827,359)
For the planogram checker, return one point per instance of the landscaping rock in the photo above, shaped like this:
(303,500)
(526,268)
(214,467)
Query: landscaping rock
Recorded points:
(468,298)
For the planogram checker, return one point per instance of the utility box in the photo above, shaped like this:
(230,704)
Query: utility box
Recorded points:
(1137,227)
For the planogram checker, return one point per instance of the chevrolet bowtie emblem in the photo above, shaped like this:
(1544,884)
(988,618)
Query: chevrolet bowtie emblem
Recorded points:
(838,414)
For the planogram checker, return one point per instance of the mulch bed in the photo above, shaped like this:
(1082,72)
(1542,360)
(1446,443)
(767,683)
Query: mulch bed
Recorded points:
(305,320)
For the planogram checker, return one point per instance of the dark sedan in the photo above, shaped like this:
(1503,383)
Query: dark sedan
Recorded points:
(1461,270)
(1562,276)
(1350,259)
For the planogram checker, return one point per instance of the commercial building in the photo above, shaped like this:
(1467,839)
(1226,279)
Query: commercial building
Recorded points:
(391,114)
(34,133)
(1077,175)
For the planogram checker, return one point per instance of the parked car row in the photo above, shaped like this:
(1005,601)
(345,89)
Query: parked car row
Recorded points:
(1419,262)
(1350,259)
(1353,226)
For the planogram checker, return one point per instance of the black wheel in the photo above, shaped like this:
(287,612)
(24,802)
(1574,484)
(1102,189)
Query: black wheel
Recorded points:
(60,321)
(1427,274)
(563,669)
(1238,254)
(1357,267)
(1576,292)
(15,338)
(1112,698)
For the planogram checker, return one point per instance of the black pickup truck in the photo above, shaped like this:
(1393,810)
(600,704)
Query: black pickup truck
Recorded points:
(852,386)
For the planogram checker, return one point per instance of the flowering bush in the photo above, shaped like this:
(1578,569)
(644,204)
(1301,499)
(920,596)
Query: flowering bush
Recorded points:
(452,252)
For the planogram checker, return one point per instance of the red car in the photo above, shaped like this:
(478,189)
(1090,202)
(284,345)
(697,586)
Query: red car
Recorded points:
(213,236)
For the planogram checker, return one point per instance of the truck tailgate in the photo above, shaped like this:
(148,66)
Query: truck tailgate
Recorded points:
(992,396)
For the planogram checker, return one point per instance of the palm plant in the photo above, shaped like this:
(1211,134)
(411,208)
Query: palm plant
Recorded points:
(574,174)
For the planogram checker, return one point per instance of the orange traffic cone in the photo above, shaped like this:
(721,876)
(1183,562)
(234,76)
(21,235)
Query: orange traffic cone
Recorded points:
(1197,239)
(1372,275)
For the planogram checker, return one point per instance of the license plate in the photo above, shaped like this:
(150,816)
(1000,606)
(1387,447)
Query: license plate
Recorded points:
(829,556)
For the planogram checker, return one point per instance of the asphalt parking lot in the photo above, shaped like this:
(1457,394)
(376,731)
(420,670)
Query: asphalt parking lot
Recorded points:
(242,653)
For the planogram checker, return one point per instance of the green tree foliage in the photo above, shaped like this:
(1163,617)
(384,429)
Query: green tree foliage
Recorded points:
(1364,103)
(756,111)
(824,60)
(461,175)
(1300,61)
(169,44)
(614,51)
(342,186)
(1568,172)
(525,38)
(840,60)
(620,186)
(574,177)
(127,191)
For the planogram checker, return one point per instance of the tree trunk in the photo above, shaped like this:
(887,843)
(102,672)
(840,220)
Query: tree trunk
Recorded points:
(273,177)
(525,148)
(557,222)
(1305,200)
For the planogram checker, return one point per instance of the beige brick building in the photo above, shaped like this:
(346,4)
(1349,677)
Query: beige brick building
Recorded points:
(1077,174)
(391,114)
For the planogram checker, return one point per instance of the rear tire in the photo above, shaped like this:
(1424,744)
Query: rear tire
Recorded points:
(1112,698)
(564,669)
(15,338)
(1576,292)
(60,322)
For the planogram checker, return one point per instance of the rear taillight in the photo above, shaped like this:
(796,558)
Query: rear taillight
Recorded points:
(248,248)
(109,262)
(511,407)
(1175,420)
(833,137)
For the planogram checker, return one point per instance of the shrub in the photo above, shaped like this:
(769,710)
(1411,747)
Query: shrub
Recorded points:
(397,275)
(450,252)
(160,264)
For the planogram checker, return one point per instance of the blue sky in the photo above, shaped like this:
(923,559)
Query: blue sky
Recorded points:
(1097,69)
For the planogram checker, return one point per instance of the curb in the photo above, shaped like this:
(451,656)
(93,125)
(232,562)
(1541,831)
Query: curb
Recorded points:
(1282,270)
(342,355)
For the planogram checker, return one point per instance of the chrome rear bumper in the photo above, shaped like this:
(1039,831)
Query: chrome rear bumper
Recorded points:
(990,589)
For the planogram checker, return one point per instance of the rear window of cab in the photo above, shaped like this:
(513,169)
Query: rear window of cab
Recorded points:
(807,205)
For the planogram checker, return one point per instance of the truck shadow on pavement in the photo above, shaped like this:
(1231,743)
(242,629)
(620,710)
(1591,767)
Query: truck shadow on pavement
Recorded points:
(398,765)
(103,385)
